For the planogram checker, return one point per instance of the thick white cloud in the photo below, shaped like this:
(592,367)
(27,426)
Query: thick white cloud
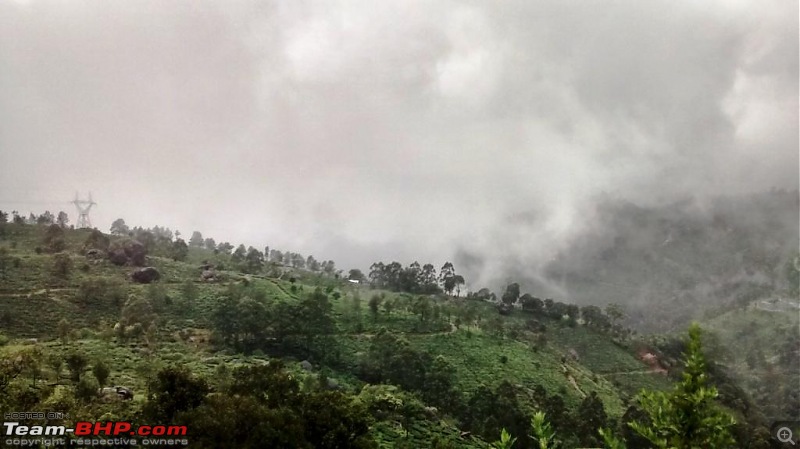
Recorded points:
(369,130)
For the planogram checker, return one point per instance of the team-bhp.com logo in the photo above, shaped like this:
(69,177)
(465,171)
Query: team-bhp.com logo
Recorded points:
(89,434)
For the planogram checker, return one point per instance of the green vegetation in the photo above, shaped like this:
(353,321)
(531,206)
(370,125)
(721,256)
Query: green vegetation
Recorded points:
(284,351)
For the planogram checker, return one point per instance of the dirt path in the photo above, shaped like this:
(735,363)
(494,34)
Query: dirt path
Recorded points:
(637,371)
(30,293)
(572,381)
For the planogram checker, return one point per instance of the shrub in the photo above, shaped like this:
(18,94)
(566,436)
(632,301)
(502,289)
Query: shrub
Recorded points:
(86,389)
(62,266)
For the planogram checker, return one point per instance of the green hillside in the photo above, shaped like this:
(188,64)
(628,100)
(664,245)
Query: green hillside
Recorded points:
(418,370)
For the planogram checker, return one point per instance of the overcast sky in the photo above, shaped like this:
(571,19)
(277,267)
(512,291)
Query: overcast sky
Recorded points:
(365,131)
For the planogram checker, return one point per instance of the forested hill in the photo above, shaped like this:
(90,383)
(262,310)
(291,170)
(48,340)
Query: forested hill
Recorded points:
(688,260)
(279,353)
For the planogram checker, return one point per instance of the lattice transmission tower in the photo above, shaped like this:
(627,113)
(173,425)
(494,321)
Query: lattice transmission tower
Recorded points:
(83,207)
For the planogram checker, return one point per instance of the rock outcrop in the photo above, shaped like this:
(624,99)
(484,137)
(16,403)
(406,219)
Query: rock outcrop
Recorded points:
(146,275)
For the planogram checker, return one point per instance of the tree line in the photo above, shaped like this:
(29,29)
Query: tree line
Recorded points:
(416,278)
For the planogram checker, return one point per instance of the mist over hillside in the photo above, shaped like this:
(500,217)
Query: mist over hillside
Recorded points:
(667,264)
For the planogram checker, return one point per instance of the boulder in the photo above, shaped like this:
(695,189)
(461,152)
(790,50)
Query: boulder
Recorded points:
(145,275)
(136,252)
(128,252)
(117,256)
(121,393)
(306,365)
(94,254)
(125,393)
(208,276)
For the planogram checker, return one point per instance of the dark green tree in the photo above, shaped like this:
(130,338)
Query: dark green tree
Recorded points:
(54,238)
(355,275)
(196,240)
(531,303)
(171,391)
(62,219)
(179,250)
(118,227)
(254,261)
(46,218)
(86,389)
(446,277)
(225,248)
(226,321)
(591,416)
(101,372)
(511,294)
(76,363)
(374,305)
(62,265)
(238,256)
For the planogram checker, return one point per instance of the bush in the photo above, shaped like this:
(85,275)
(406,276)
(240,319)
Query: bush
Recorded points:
(100,290)
(86,389)
(96,240)
(62,266)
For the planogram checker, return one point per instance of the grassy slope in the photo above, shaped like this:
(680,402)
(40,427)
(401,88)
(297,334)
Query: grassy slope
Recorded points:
(753,331)
(32,310)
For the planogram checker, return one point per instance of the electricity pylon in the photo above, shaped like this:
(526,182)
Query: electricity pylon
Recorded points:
(83,206)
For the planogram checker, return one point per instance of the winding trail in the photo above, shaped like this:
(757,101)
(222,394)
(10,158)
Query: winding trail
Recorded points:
(31,293)
(636,371)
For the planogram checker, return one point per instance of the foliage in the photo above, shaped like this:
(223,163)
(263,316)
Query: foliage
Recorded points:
(412,279)
(54,238)
(687,417)
(101,372)
(96,240)
(173,390)
(437,351)
(189,294)
(543,433)
(609,440)
(76,363)
(118,227)
(62,266)
(506,441)
(264,407)
(179,250)
(489,411)
(511,293)
(591,416)
(96,291)
(86,389)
